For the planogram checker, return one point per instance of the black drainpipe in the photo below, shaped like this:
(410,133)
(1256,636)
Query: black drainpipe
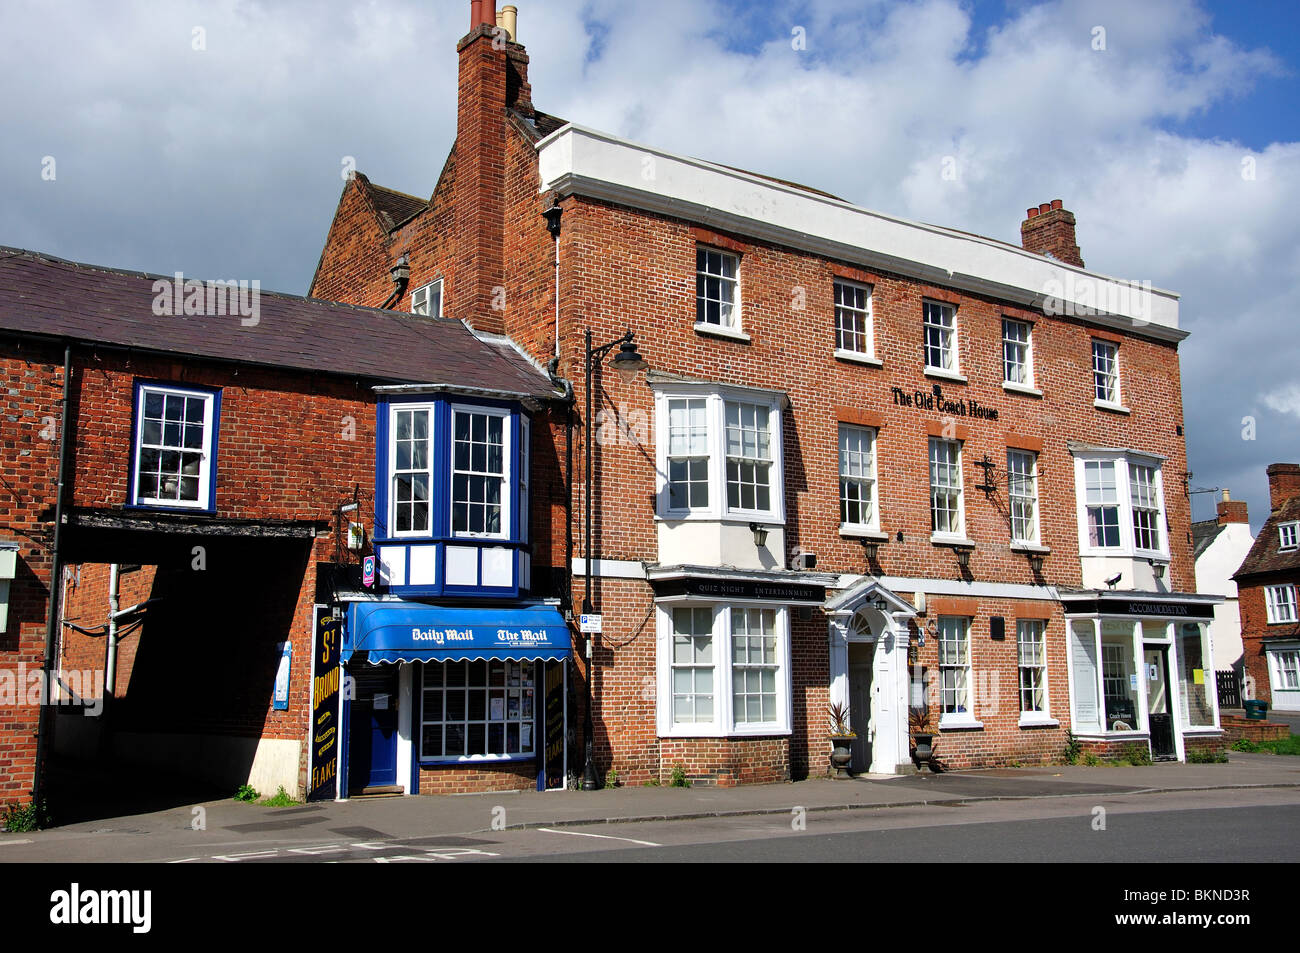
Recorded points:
(56,594)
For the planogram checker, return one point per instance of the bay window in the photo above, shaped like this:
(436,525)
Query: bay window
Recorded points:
(1122,510)
(723,670)
(478,479)
(718,453)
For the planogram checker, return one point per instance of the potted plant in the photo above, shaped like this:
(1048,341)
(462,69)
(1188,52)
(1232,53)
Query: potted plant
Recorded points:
(919,721)
(842,738)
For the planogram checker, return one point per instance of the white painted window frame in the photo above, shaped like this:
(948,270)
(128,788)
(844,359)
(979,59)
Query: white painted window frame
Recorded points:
(734,325)
(872,481)
(1032,496)
(1028,357)
(959,535)
(1044,714)
(1288,536)
(949,345)
(426,292)
(393,411)
(717,396)
(1121,459)
(1280,604)
(205,474)
(865,313)
(723,724)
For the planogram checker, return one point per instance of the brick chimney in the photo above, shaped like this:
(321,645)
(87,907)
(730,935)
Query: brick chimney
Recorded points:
(493,77)
(1283,483)
(1232,511)
(1049,230)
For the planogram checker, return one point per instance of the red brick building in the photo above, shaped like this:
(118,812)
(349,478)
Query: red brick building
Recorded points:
(213,456)
(1268,584)
(873,462)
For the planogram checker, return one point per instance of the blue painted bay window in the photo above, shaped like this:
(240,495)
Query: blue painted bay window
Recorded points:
(451,496)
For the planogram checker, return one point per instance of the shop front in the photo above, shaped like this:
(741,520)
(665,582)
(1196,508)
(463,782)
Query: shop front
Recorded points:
(444,699)
(1141,672)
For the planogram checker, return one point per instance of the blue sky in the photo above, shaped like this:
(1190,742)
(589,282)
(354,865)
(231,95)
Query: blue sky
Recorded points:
(225,161)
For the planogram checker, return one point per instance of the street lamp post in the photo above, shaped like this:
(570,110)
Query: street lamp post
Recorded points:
(628,363)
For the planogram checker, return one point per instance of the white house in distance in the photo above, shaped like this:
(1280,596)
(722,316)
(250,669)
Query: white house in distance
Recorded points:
(1220,546)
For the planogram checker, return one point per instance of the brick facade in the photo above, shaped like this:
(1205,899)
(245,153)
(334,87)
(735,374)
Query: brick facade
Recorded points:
(622,267)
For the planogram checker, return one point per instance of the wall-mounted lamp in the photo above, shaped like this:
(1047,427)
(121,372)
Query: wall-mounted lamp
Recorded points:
(760,534)
(871,547)
(1036,563)
(1157,569)
(879,604)
(963,556)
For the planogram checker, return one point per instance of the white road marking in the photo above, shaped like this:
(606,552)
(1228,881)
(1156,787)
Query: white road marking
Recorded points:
(10,843)
(630,840)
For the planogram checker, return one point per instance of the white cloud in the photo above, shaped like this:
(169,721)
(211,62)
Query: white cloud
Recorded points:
(1284,399)
(227,161)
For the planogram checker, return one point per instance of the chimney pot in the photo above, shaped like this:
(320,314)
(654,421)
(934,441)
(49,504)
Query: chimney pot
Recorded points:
(1056,203)
(475,13)
(1045,207)
(1054,235)
(1031,212)
(1226,497)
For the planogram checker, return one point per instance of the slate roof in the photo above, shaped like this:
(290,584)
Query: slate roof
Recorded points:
(1266,556)
(1204,533)
(48,296)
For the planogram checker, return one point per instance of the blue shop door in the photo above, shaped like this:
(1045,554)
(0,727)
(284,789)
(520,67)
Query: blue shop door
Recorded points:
(372,741)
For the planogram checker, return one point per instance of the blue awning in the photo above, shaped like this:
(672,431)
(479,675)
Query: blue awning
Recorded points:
(415,632)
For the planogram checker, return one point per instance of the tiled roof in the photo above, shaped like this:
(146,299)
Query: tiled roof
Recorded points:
(1204,534)
(1266,555)
(47,296)
(396,207)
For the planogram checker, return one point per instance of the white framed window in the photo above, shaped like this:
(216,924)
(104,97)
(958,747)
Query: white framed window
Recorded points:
(717,287)
(954,667)
(525,453)
(749,457)
(754,666)
(1288,535)
(1017,353)
(1105,371)
(946,513)
(480,710)
(411,466)
(688,453)
(1022,494)
(1122,510)
(1146,507)
(1102,502)
(1286,669)
(427,300)
(940,321)
(853,326)
(480,472)
(723,670)
(858,478)
(175,429)
(1031,643)
(1280,602)
(718,453)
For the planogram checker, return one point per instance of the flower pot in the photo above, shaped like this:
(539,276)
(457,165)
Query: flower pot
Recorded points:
(842,755)
(924,753)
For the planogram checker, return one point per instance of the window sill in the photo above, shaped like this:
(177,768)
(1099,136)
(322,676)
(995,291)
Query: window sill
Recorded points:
(1038,721)
(945,374)
(1022,547)
(1014,388)
(863,532)
(965,722)
(735,517)
(857,357)
(718,331)
(765,731)
(474,759)
(1113,408)
(945,539)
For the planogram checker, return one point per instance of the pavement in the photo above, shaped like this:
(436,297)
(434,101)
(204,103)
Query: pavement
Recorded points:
(389,819)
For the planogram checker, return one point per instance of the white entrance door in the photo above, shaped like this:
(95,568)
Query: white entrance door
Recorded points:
(861,657)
